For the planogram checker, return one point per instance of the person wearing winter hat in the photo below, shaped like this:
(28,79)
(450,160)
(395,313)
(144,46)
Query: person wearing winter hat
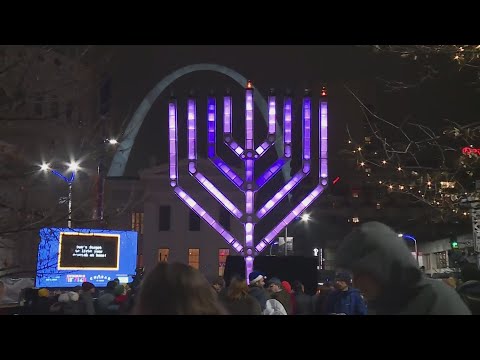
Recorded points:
(43,293)
(278,292)
(388,275)
(41,305)
(86,298)
(345,300)
(256,288)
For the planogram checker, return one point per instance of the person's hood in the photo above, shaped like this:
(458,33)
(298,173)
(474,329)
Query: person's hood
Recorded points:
(471,287)
(375,249)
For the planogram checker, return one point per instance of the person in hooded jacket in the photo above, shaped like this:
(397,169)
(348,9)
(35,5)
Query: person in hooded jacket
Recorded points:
(388,275)
(469,290)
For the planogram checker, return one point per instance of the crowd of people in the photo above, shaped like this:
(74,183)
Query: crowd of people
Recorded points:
(379,276)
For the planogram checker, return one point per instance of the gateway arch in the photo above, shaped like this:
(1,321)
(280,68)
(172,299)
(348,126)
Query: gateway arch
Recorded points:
(119,162)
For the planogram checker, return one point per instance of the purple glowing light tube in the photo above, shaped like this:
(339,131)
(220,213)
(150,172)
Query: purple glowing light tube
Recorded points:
(249,119)
(227,127)
(192,204)
(172,141)
(300,175)
(192,155)
(212,152)
(312,196)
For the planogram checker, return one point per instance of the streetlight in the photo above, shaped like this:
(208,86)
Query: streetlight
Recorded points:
(410,237)
(73,167)
(304,218)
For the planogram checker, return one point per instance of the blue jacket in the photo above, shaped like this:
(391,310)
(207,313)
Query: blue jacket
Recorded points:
(346,302)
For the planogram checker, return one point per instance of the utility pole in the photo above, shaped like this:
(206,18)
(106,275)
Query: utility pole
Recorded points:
(105,94)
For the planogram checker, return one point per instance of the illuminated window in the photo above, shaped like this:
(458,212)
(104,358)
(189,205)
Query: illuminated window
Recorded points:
(426,261)
(137,222)
(441,258)
(368,140)
(164,218)
(379,206)
(447,184)
(355,220)
(163,255)
(355,193)
(194,258)
(222,259)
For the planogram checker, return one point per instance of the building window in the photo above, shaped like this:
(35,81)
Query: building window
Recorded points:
(38,106)
(164,218)
(193,221)
(426,261)
(69,111)
(441,258)
(137,222)
(355,193)
(355,220)
(222,259)
(368,140)
(224,218)
(163,255)
(447,184)
(194,258)
(54,107)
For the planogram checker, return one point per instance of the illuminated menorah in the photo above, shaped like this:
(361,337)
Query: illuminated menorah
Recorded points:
(248,185)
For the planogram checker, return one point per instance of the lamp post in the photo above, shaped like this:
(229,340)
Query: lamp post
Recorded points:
(410,237)
(304,218)
(73,167)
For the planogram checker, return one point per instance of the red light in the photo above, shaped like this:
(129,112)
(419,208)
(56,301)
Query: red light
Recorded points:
(337,179)
(468,151)
(324,91)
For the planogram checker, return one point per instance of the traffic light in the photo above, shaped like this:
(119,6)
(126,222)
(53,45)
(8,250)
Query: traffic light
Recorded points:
(453,242)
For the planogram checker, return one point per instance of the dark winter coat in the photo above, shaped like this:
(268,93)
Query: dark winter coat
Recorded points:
(376,250)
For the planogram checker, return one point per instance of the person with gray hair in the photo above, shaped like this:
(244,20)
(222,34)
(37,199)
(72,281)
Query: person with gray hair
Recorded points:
(387,274)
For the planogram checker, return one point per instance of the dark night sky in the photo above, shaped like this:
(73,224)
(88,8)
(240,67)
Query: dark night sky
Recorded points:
(138,68)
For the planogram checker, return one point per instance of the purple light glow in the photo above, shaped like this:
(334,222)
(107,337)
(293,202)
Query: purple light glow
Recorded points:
(269,173)
(249,119)
(290,217)
(306,127)
(192,143)
(272,115)
(248,235)
(227,115)
(227,171)
(211,118)
(323,140)
(172,139)
(294,181)
(249,202)
(248,265)
(192,204)
(222,199)
(264,147)
(249,170)
(287,121)
(237,149)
